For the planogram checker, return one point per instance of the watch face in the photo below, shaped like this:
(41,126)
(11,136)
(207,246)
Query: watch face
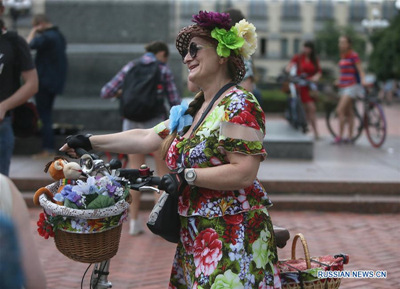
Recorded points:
(190,175)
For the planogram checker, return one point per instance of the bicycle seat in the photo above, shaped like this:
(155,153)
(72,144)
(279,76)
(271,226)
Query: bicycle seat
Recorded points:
(282,235)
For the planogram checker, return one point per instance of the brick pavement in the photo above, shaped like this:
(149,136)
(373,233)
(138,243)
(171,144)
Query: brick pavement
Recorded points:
(372,241)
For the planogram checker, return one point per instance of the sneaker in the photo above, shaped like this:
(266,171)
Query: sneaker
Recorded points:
(135,227)
(337,141)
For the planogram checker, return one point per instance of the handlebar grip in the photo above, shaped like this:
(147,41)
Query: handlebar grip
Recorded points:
(155,181)
(128,173)
(80,152)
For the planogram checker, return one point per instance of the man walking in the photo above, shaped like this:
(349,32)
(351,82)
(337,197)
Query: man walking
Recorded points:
(51,64)
(15,63)
(156,53)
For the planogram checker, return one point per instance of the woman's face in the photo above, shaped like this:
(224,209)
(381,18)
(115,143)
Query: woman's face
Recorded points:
(205,64)
(343,44)
(307,50)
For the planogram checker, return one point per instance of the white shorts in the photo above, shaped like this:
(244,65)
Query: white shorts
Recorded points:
(129,124)
(351,91)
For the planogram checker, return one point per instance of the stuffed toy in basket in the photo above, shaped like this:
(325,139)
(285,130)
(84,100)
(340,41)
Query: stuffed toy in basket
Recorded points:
(303,273)
(83,215)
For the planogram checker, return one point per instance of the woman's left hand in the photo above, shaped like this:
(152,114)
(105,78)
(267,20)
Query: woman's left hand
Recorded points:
(173,183)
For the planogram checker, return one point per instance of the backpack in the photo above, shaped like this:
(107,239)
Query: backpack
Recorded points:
(25,118)
(142,97)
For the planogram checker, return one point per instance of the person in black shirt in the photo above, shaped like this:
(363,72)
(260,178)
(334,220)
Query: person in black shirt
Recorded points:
(51,64)
(15,62)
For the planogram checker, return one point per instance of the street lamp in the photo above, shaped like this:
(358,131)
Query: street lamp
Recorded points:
(376,21)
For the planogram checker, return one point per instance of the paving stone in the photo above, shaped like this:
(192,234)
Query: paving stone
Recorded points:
(372,241)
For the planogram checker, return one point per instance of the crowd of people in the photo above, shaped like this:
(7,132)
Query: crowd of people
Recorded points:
(207,152)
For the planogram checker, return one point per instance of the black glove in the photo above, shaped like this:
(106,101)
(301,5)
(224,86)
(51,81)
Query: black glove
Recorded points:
(173,183)
(79,141)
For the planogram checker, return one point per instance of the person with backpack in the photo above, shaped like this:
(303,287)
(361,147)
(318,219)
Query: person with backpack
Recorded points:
(51,63)
(351,75)
(15,63)
(144,85)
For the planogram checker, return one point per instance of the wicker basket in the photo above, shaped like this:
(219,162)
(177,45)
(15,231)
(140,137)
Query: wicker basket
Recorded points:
(326,283)
(87,247)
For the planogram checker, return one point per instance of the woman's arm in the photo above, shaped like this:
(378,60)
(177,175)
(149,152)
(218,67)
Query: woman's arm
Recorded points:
(26,91)
(136,141)
(240,173)
(361,72)
(31,264)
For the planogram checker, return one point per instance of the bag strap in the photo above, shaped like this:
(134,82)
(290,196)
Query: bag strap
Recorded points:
(210,105)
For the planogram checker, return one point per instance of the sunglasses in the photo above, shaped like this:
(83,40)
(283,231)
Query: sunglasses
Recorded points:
(193,49)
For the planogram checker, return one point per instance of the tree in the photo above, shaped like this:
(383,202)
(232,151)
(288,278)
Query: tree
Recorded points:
(327,40)
(384,61)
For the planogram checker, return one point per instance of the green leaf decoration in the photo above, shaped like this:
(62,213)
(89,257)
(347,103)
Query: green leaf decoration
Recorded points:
(70,204)
(90,198)
(101,202)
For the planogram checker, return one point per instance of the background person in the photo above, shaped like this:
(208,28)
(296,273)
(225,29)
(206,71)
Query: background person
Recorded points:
(15,63)
(154,51)
(351,74)
(51,64)
(223,207)
(13,206)
(307,64)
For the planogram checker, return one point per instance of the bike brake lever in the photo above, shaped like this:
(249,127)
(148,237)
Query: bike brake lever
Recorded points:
(149,188)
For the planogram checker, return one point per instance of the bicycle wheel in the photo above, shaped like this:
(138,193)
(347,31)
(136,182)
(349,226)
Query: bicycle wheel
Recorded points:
(375,124)
(332,121)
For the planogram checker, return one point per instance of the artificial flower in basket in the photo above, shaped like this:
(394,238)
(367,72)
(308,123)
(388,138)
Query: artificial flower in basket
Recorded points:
(98,192)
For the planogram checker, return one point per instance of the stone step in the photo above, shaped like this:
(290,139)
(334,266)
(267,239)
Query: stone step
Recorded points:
(328,203)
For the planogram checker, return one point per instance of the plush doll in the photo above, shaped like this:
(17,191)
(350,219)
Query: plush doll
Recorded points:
(63,172)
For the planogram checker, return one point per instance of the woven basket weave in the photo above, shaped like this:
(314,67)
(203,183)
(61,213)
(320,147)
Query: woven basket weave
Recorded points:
(89,248)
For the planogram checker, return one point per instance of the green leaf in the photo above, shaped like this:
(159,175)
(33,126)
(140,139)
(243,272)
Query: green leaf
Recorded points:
(90,198)
(70,204)
(101,202)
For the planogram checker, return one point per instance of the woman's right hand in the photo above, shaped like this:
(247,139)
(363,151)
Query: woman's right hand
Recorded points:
(76,141)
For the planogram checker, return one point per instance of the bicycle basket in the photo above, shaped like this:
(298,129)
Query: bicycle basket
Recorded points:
(302,273)
(87,236)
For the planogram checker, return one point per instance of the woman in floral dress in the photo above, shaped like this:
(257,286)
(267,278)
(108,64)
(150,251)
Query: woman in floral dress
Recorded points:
(226,238)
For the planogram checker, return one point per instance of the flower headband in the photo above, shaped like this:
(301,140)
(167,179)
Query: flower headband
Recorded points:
(241,38)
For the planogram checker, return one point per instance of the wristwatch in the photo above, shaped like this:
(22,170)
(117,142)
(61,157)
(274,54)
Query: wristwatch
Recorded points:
(190,176)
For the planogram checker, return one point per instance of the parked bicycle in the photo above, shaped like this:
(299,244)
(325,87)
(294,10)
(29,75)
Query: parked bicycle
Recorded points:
(368,115)
(295,113)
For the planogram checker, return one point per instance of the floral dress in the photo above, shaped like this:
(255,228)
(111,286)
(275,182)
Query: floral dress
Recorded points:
(227,238)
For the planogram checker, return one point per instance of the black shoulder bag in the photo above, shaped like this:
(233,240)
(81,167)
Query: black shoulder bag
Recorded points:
(164,219)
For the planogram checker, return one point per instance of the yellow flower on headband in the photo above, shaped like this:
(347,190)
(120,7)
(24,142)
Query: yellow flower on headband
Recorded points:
(248,32)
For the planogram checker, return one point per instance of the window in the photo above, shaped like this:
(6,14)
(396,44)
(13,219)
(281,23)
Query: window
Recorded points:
(258,9)
(324,10)
(284,48)
(389,10)
(291,10)
(263,48)
(296,46)
(188,8)
(358,10)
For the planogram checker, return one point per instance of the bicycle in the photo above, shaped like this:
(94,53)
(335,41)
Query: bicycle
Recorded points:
(368,115)
(295,113)
(143,180)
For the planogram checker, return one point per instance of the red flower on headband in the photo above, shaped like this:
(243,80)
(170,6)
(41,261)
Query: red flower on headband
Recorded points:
(210,20)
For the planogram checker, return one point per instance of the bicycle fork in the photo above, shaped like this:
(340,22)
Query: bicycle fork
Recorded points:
(99,278)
